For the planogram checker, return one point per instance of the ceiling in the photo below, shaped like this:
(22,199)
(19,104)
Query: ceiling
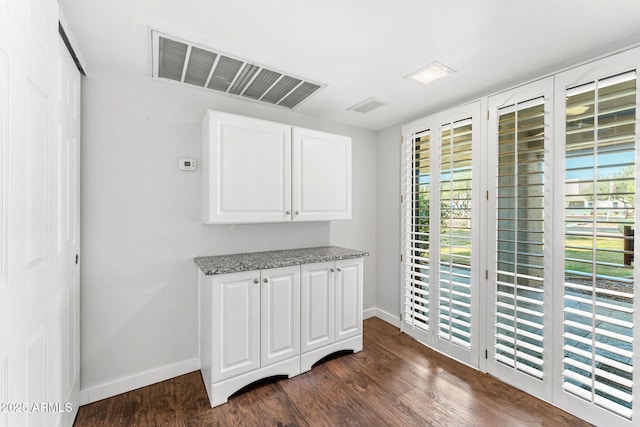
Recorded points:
(363,48)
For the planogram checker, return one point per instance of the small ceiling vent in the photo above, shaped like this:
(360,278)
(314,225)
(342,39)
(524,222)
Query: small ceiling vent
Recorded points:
(367,105)
(182,61)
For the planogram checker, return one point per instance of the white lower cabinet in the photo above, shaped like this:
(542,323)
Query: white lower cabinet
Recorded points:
(331,309)
(259,324)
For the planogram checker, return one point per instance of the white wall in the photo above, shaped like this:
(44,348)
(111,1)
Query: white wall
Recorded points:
(388,223)
(141,225)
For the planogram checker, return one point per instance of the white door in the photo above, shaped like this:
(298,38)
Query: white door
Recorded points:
(31,289)
(321,177)
(280,313)
(68,229)
(417,271)
(246,169)
(596,305)
(519,299)
(348,298)
(317,300)
(236,324)
(457,229)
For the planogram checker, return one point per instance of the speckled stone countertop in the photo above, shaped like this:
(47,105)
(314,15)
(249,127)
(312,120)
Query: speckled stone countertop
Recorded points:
(233,263)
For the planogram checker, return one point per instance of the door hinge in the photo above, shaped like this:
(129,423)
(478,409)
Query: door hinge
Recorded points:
(487,114)
(486,354)
(402,139)
(487,194)
(401,258)
(401,198)
(486,274)
(77,258)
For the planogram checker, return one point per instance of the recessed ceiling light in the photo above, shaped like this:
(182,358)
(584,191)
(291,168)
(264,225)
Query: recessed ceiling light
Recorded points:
(430,73)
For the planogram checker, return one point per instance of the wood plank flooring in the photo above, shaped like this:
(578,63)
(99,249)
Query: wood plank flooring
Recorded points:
(394,381)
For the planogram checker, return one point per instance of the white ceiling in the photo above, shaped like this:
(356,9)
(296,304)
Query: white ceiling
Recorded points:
(364,48)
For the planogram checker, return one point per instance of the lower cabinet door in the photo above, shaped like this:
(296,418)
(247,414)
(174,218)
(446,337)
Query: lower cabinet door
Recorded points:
(236,324)
(280,314)
(317,301)
(348,298)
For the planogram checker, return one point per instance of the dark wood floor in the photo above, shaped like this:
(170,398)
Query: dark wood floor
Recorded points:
(394,381)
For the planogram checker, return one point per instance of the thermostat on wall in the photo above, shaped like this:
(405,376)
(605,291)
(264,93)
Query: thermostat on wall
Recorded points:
(188,164)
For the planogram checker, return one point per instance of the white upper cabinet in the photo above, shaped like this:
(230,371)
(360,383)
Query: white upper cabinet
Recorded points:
(246,167)
(249,175)
(321,176)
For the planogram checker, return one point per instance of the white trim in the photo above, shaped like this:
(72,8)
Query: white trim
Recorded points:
(143,379)
(369,313)
(391,319)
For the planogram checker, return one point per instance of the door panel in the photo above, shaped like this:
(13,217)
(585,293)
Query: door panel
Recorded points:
(348,298)
(321,176)
(28,110)
(416,229)
(236,308)
(596,310)
(247,170)
(6,293)
(317,305)
(280,302)
(518,250)
(456,195)
(67,213)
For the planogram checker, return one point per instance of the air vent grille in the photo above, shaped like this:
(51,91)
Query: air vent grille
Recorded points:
(184,62)
(367,105)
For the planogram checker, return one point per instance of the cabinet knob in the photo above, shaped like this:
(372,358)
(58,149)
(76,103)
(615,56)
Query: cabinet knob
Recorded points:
(331,270)
(256,281)
(266,280)
(288,212)
(339,269)
(297,212)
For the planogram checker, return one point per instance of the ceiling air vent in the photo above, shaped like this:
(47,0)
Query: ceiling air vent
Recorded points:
(182,61)
(367,105)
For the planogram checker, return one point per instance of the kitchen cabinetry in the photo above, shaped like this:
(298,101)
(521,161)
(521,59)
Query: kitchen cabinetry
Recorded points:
(321,176)
(246,170)
(331,309)
(250,328)
(256,324)
(257,171)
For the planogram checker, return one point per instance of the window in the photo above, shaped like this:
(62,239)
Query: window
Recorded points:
(598,268)
(549,246)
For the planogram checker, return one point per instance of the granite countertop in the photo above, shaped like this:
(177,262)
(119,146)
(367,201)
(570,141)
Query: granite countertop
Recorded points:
(234,263)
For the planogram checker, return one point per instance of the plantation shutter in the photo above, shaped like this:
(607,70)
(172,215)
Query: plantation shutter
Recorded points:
(416,182)
(455,179)
(519,286)
(598,242)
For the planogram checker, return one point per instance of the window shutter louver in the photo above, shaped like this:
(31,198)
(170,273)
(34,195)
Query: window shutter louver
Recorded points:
(519,287)
(416,182)
(455,179)
(599,222)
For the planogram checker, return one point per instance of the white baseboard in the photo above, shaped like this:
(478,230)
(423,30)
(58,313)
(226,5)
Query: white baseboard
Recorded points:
(369,312)
(381,314)
(152,376)
(388,317)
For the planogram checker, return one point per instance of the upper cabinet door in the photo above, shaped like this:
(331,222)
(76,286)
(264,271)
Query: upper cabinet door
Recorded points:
(246,169)
(321,176)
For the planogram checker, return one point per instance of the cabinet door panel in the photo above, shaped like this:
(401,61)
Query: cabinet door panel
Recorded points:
(280,314)
(236,324)
(246,170)
(348,298)
(317,305)
(321,176)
